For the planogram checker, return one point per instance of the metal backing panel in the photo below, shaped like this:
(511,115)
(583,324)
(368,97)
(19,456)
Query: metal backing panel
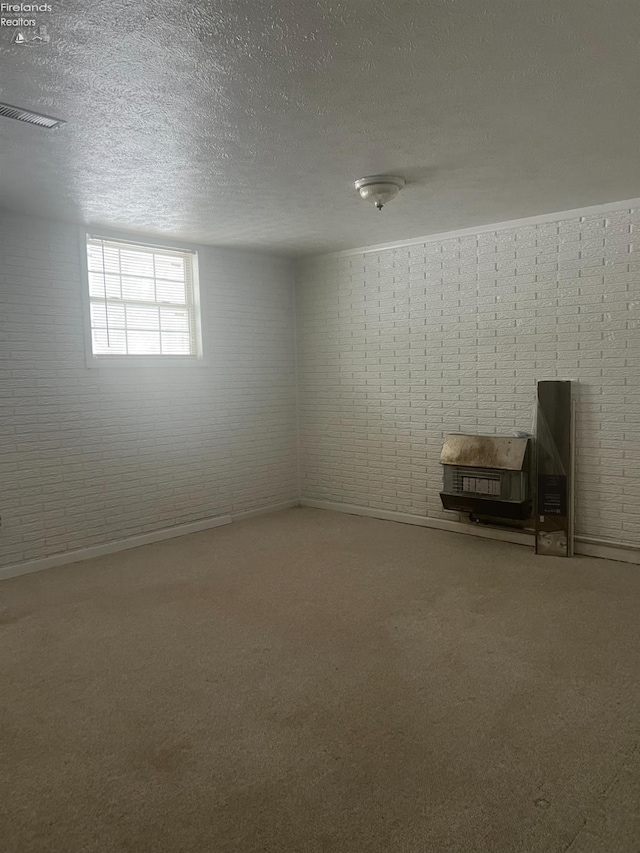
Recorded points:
(554,469)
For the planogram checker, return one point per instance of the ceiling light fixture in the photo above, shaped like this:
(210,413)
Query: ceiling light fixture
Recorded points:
(30,117)
(379,188)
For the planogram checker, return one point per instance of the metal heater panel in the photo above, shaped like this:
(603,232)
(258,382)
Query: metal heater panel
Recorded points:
(554,469)
(484,451)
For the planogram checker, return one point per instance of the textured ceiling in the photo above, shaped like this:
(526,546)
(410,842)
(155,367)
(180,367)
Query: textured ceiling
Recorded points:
(245,122)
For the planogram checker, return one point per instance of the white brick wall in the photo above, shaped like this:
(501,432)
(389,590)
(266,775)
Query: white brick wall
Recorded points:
(398,347)
(395,348)
(88,456)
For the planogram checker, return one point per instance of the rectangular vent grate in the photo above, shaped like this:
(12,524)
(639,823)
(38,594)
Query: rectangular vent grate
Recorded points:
(38,119)
(477,481)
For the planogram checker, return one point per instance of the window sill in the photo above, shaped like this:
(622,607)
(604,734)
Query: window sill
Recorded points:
(127,362)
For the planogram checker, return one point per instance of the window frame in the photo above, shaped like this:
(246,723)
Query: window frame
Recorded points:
(130,361)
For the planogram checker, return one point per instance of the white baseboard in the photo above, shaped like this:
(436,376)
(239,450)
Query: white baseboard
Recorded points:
(516,536)
(607,551)
(134,541)
(585,546)
(250,513)
(589,547)
(111,547)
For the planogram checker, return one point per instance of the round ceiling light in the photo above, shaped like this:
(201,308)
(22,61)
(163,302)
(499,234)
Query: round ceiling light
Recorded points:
(379,188)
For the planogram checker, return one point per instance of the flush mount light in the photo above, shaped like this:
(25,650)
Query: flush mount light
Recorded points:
(30,117)
(379,188)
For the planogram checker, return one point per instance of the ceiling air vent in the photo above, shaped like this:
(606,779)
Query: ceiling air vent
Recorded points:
(19,114)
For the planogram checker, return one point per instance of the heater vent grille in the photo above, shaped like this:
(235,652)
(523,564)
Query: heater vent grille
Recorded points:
(29,117)
(477,481)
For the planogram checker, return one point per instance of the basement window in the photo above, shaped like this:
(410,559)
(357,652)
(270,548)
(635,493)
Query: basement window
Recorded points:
(142,303)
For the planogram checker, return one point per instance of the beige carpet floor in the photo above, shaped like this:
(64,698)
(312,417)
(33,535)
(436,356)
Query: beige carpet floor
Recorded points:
(314,682)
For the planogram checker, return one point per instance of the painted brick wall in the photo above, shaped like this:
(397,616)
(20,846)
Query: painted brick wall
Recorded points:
(88,456)
(398,347)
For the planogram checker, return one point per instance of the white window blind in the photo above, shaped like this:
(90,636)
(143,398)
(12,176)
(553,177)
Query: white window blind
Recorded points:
(141,300)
